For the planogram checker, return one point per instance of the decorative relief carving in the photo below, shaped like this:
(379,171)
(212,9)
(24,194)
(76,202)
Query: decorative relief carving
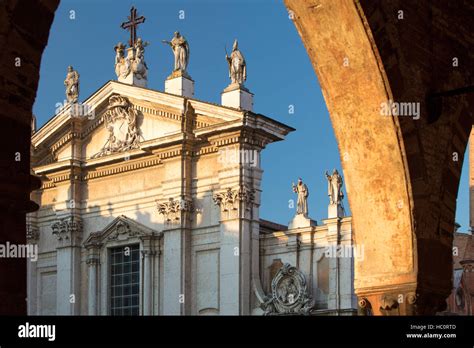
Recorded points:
(364,307)
(171,210)
(289,293)
(121,123)
(226,199)
(67,228)
(229,199)
(122,231)
(388,302)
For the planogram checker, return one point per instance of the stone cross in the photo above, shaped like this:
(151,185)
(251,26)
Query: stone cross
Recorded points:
(132,24)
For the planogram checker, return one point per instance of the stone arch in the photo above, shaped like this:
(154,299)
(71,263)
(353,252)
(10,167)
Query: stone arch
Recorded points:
(24,31)
(401,176)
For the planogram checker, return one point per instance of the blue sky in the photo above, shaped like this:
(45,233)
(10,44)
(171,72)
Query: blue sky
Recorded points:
(279,73)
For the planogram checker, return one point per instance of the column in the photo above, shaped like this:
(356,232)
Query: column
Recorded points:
(148,257)
(68,231)
(92,264)
(236,200)
(333,234)
(32,237)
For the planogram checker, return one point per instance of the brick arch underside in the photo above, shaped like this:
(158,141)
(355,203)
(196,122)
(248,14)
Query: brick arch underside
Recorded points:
(24,32)
(401,174)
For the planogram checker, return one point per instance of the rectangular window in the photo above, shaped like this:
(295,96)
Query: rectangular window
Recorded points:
(125,286)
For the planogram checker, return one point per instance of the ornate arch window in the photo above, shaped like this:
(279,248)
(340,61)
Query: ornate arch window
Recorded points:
(121,261)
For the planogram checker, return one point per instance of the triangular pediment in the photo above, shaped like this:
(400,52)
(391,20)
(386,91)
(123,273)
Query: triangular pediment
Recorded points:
(121,228)
(158,115)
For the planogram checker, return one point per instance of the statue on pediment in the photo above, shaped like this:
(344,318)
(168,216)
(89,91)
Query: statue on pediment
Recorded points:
(72,85)
(302,191)
(181,51)
(133,62)
(237,65)
(139,66)
(335,187)
(122,64)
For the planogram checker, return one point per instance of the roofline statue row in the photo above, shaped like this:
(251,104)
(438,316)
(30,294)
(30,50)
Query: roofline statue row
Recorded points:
(335,207)
(131,68)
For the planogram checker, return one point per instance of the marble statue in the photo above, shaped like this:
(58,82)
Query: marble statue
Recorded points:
(133,62)
(180,48)
(140,49)
(302,191)
(334,187)
(72,85)
(139,66)
(122,64)
(237,65)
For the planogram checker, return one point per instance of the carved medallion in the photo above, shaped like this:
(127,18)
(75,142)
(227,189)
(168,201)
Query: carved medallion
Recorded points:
(289,293)
(121,123)
(122,231)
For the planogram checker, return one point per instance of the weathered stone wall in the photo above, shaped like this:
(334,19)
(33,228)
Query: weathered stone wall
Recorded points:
(402,173)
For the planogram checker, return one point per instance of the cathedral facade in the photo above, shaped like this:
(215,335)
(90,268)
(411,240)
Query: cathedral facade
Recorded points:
(150,202)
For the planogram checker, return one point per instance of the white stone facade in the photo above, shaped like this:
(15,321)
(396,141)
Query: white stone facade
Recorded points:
(193,213)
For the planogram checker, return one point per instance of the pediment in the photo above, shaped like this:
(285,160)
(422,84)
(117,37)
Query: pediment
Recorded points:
(121,228)
(108,115)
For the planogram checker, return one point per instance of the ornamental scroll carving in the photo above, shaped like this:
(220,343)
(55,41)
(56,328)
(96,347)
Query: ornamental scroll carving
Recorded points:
(289,293)
(229,199)
(67,229)
(123,231)
(121,123)
(171,210)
